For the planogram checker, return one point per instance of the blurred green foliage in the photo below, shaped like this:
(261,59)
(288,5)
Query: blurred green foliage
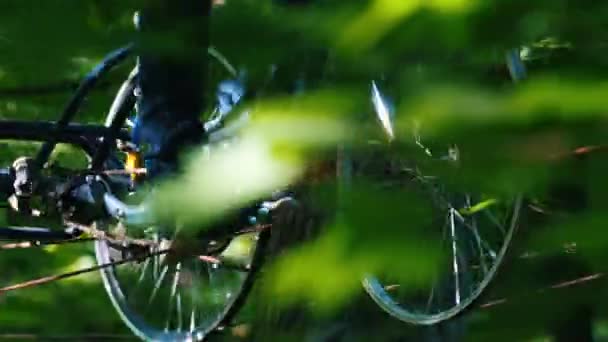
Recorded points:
(441,62)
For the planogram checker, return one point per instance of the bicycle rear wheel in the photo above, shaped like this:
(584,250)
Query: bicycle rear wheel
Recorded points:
(169,297)
(165,299)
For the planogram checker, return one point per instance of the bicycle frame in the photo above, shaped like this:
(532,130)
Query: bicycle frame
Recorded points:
(94,140)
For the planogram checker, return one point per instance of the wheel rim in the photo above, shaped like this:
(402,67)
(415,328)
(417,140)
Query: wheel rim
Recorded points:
(475,234)
(475,272)
(181,299)
(185,300)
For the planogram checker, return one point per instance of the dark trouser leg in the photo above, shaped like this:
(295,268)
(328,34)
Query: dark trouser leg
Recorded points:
(172,46)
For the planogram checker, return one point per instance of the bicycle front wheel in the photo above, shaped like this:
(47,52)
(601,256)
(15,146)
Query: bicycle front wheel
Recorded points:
(474,243)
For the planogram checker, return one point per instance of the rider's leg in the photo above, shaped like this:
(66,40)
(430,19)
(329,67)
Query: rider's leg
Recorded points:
(172,46)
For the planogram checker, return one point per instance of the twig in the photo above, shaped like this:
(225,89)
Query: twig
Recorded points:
(561,285)
(254,229)
(48,279)
(83,337)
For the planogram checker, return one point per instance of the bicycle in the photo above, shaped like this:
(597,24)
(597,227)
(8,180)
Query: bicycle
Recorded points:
(82,201)
(478,228)
(68,193)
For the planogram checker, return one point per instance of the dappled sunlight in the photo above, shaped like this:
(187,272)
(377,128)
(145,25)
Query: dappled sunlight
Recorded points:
(317,121)
(270,154)
(441,110)
(383,15)
(231,177)
(377,232)
(461,141)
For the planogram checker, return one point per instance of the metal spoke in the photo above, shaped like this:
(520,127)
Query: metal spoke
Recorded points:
(179,312)
(156,260)
(178,298)
(478,244)
(431,298)
(143,270)
(192,320)
(172,296)
(474,230)
(158,283)
(482,255)
(194,296)
(455,257)
(211,279)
